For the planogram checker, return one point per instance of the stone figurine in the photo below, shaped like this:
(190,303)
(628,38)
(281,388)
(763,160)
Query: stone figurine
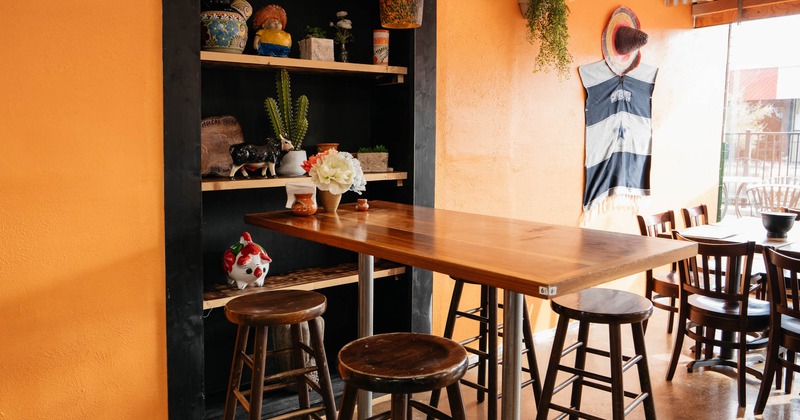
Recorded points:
(246,263)
(249,157)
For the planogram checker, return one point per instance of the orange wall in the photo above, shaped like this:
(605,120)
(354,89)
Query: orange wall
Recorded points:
(82,308)
(511,142)
(81,201)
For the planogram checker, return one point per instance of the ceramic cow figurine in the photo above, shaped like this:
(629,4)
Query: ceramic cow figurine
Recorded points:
(249,157)
(246,262)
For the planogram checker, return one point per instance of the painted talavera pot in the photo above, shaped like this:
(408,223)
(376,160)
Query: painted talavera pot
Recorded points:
(225,30)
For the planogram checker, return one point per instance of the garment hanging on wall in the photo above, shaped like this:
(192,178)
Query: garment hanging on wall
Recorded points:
(618,136)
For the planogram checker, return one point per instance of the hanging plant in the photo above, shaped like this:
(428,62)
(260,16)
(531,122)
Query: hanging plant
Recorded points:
(547,25)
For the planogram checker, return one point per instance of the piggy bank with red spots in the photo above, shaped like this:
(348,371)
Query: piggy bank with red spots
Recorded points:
(246,263)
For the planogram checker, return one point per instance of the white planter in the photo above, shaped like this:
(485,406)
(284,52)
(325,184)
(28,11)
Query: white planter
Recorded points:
(320,49)
(291,163)
(373,161)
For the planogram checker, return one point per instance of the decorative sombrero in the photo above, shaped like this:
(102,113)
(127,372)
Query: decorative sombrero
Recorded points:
(621,41)
(270,11)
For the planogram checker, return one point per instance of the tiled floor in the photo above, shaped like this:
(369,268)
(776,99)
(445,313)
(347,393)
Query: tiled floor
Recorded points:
(704,394)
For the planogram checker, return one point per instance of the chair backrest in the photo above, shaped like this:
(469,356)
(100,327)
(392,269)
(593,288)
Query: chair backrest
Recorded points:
(784,283)
(771,197)
(702,275)
(793,210)
(694,216)
(784,180)
(658,225)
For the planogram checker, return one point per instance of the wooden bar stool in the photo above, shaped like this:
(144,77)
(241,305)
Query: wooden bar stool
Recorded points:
(602,306)
(489,330)
(260,311)
(402,364)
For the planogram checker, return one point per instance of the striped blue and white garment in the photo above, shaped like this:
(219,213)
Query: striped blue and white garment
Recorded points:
(618,136)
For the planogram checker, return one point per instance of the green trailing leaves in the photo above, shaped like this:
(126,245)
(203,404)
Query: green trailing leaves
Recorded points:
(547,25)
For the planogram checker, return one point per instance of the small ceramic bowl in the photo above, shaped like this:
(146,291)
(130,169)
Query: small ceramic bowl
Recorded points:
(777,224)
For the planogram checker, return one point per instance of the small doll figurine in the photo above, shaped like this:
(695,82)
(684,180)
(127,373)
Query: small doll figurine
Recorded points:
(270,38)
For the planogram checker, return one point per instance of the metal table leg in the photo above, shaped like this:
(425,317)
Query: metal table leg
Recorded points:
(366,265)
(512,356)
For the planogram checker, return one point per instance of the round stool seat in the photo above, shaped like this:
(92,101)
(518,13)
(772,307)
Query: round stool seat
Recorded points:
(276,307)
(604,306)
(402,363)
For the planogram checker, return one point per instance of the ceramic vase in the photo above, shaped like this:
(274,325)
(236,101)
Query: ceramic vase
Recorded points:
(225,30)
(329,201)
(322,147)
(362,205)
(304,205)
(291,163)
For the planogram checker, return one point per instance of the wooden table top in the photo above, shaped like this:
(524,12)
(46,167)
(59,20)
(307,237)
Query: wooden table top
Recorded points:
(744,229)
(535,259)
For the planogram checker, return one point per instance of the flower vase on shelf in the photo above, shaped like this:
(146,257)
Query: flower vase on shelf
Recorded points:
(329,201)
(291,163)
(343,53)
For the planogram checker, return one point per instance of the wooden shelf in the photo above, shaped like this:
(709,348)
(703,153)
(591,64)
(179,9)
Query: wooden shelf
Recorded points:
(298,65)
(218,295)
(221,184)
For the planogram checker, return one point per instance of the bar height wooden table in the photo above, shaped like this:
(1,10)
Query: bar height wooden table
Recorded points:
(521,257)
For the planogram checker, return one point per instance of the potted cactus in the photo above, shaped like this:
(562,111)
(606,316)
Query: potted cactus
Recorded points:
(289,123)
(373,159)
(316,45)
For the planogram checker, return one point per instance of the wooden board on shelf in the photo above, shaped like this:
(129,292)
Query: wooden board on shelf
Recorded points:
(218,295)
(296,64)
(220,184)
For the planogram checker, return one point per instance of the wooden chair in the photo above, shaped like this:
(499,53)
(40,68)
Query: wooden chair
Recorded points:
(792,210)
(599,306)
(771,197)
(695,216)
(783,272)
(267,309)
(485,317)
(719,300)
(402,364)
(661,287)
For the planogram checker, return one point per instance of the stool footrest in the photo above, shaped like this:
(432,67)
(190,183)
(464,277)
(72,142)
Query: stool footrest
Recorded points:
(289,374)
(471,315)
(475,385)
(482,354)
(428,409)
(572,411)
(635,403)
(298,413)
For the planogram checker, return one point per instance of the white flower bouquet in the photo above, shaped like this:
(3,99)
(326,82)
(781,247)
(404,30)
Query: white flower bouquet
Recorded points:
(336,172)
(343,27)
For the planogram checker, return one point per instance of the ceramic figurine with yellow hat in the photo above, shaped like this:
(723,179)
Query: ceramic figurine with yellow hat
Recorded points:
(270,38)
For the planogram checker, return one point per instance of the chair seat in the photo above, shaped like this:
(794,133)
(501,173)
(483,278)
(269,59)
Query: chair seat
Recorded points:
(402,363)
(755,307)
(668,277)
(666,283)
(604,306)
(276,307)
(790,324)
